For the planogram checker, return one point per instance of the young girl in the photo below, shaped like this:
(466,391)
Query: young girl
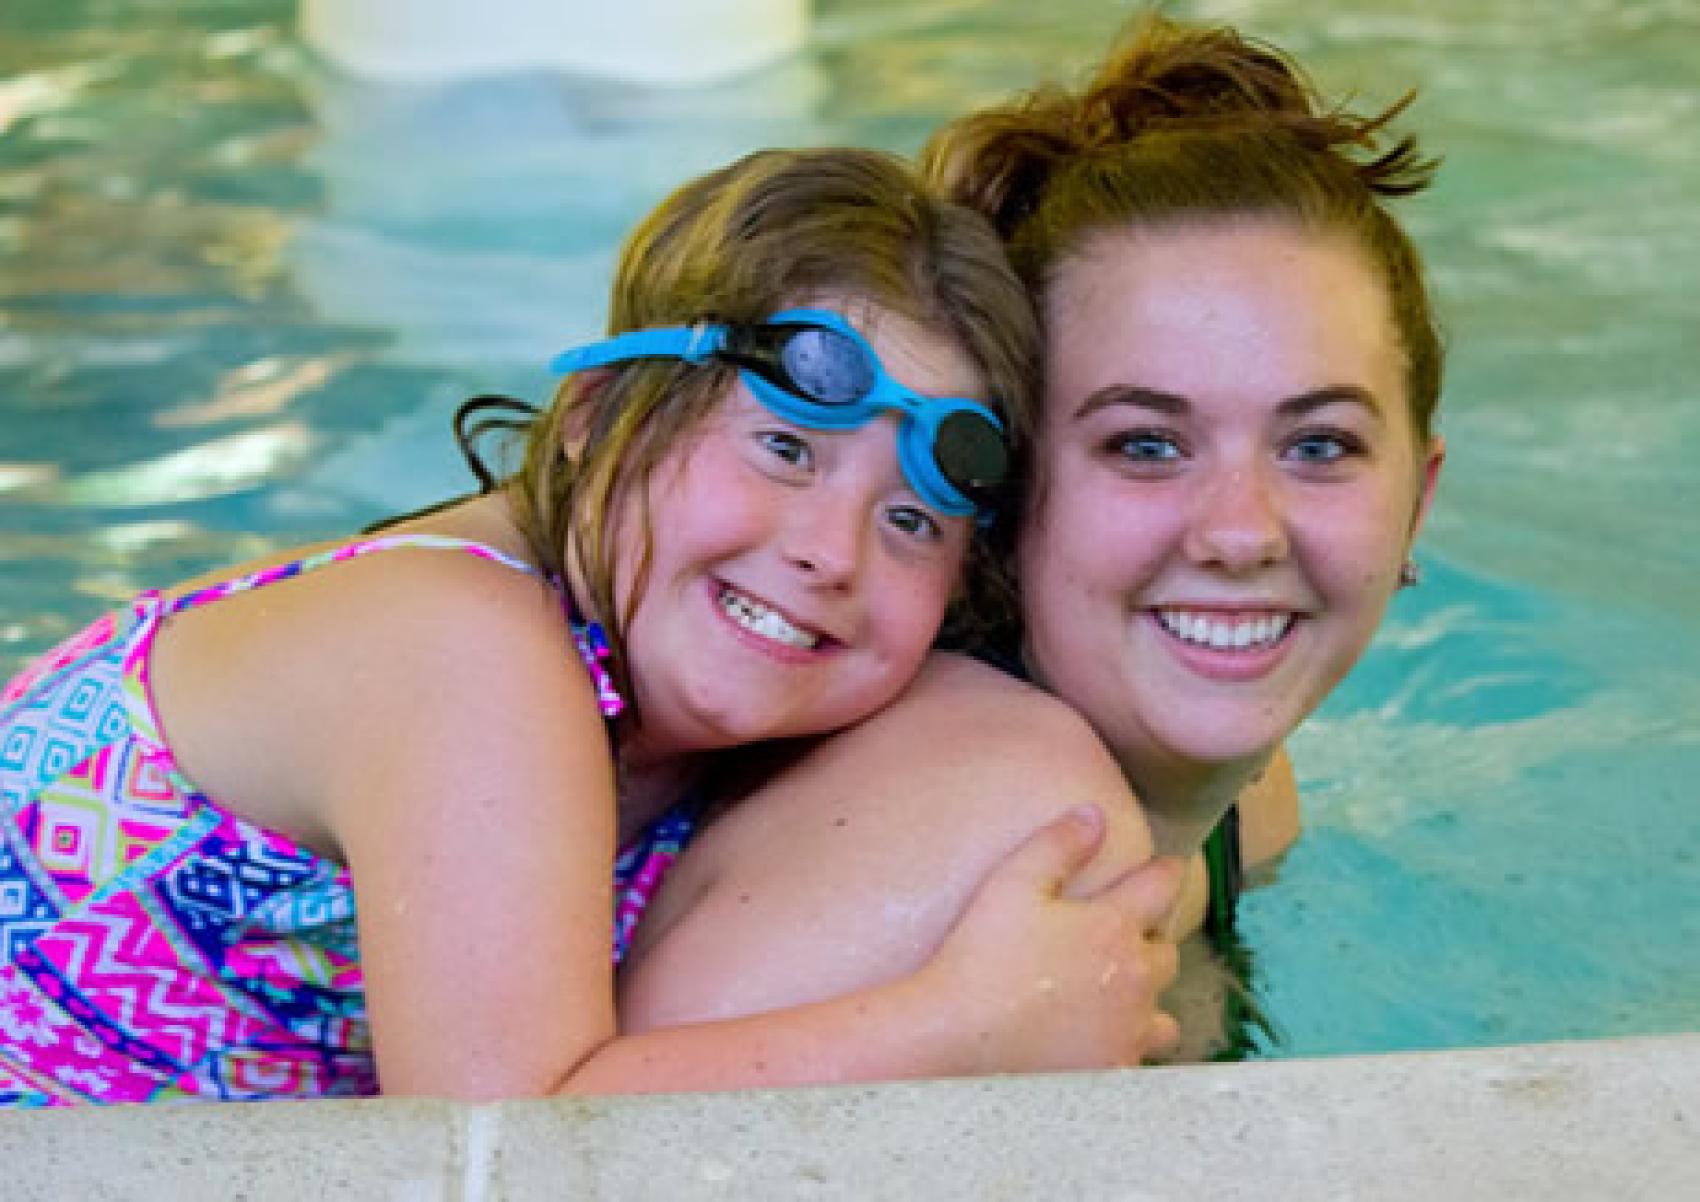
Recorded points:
(347,819)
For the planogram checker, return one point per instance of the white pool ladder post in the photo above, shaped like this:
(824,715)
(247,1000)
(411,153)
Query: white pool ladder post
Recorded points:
(661,42)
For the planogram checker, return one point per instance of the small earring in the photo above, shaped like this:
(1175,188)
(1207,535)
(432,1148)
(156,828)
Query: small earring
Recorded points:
(1410,574)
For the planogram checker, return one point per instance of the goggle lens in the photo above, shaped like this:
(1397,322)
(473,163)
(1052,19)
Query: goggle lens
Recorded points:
(971,454)
(825,365)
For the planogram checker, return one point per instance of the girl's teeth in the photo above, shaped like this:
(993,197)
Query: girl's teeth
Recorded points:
(1224,634)
(758,618)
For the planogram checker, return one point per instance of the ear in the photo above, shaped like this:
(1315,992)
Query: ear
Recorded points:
(577,395)
(1432,459)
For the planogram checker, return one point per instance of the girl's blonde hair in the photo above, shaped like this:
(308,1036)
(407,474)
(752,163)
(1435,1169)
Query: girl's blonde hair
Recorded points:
(736,245)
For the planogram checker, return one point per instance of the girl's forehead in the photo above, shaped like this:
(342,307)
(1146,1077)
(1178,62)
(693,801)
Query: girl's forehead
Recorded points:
(931,361)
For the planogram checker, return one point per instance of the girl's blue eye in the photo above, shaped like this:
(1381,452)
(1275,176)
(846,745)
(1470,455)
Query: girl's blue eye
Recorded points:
(914,520)
(1144,446)
(791,448)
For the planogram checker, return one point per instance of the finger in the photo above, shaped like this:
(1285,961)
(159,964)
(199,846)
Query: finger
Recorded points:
(1162,961)
(1051,855)
(1147,893)
(1163,1036)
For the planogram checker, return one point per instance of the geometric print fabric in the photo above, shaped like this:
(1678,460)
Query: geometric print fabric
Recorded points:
(154,945)
(125,892)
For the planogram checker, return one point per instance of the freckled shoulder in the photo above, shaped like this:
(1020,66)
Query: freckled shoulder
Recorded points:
(348,655)
(989,758)
(967,756)
(873,841)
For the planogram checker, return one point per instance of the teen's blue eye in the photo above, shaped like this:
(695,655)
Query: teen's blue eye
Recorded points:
(1323,447)
(792,449)
(914,521)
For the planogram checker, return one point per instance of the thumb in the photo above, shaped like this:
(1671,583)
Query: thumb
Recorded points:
(1163,1037)
(1047,858)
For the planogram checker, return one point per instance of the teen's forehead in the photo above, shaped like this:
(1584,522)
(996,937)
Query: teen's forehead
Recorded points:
(1262,310)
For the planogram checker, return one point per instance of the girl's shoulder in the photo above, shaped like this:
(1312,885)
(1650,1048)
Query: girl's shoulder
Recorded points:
(280,677)
(354,601)
(414,620)
(457,566)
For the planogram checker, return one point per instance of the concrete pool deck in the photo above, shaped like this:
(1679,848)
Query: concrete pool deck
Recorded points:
(1607,1119)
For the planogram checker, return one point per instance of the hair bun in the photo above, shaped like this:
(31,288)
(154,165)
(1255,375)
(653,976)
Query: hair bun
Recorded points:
(1162,72)
(1161,77)
(997,161)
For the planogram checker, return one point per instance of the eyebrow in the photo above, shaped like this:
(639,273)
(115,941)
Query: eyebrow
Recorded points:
(1175,405)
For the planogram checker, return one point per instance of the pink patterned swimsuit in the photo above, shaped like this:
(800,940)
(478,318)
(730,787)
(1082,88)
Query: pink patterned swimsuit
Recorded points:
(155,946)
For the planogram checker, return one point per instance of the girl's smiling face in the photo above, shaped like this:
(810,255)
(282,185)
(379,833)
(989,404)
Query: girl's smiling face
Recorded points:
(796,580)
(1228,482)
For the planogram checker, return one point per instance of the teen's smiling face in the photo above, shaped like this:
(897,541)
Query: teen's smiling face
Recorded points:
(1228,483)
(797,581)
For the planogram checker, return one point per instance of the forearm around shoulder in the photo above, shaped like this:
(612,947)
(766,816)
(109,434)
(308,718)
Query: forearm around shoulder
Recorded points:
(903,1030)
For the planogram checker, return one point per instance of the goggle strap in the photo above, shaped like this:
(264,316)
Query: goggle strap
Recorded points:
(693,344)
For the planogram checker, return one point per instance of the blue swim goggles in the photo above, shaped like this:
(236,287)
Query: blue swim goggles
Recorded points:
(810,367)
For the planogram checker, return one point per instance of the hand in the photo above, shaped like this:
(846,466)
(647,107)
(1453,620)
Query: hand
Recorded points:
(1046,981)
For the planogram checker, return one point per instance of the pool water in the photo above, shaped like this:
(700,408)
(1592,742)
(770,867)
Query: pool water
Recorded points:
(240,296)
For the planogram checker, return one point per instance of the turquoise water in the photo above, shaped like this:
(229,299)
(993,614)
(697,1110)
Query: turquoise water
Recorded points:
(239,297)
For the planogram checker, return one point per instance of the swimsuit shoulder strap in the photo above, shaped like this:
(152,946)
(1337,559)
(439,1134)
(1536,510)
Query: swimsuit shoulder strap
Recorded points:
(1223,868)
(339,554)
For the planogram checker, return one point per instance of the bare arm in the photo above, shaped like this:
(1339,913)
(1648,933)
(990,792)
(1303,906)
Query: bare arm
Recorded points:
(1034,976)
(465,775)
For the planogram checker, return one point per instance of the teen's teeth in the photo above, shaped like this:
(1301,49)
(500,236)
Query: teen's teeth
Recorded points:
(752,615)
(1225,634)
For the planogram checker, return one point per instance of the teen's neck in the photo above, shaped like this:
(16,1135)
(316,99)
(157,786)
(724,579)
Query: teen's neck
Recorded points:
(1183,802)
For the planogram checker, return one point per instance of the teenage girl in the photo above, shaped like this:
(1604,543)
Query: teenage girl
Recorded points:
(360,817)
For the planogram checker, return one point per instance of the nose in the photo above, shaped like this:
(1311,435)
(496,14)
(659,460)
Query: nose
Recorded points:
(823,537)
(1239,524)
